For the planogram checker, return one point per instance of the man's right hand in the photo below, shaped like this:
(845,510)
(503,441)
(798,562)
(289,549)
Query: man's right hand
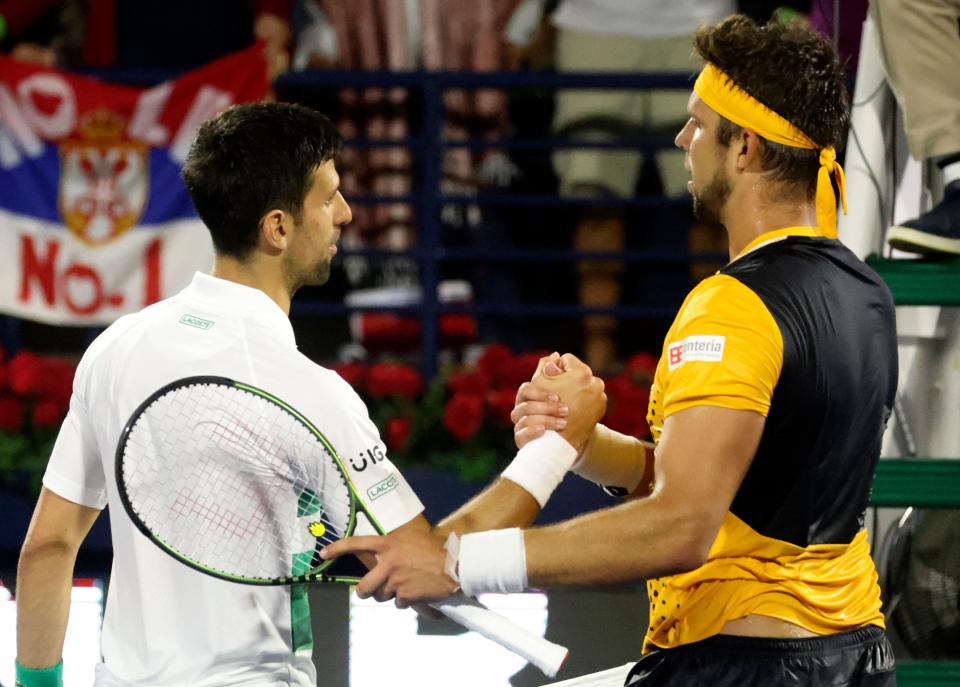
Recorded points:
(563,396)
(537,408)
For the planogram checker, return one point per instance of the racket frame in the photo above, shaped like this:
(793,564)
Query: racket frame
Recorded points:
(315,575)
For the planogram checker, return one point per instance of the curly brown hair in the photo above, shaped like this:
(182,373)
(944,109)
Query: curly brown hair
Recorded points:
(794,71)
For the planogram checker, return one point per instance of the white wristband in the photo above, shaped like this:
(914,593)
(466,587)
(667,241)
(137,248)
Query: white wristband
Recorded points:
(451,562)
(541,465)
(492,561)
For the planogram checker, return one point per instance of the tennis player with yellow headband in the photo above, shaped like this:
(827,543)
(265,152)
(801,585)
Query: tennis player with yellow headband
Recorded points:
(745,516)
(722,95)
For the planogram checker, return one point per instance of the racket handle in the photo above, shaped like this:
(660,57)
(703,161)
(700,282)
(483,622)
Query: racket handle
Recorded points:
(473,615)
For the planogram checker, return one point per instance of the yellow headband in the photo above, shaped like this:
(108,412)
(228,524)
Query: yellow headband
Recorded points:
(722,95)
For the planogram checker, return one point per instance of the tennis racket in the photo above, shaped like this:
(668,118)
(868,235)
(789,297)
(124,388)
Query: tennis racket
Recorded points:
(235,483)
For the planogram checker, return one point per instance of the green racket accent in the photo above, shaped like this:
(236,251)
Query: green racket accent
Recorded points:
(308,503)
(302,563)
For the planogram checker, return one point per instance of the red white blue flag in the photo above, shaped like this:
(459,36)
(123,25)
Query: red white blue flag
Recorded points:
(94,219)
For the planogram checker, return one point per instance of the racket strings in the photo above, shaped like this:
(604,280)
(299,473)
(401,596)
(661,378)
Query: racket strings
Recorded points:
(233,481)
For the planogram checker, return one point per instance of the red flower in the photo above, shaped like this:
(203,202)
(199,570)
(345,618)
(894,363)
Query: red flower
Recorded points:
(11,414)
(58,384)
(616,387)
(634,396)
(393,379)
(463,415)
(500,403)
(384,331)
(627,411)
(458,329)
(27,374)
(398,432)
(641,368)
(476,382)
(494,359)
(629,423)
(518,371)
(354,373)
(48,414)
(3,375)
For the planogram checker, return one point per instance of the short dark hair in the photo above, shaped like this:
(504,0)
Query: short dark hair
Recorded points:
(794,71)
(250,159)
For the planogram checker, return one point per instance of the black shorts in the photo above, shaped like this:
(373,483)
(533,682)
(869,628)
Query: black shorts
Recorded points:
(858,658)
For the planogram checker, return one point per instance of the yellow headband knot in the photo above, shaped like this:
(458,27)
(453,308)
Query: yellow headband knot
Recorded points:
(723,96)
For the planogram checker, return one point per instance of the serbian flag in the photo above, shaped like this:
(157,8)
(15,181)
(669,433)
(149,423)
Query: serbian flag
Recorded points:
(94,219)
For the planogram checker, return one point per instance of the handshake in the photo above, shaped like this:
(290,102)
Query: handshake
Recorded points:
(554,419)
(564,400)
(563,396)
(481,547)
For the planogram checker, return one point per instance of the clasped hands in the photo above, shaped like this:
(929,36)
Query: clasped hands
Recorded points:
(563,396)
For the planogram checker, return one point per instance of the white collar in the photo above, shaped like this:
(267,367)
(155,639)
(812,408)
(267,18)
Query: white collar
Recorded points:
(247,301)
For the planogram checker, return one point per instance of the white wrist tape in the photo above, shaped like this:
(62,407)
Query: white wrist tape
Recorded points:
(541,465)
(450,563)
(492,561)
(612,459)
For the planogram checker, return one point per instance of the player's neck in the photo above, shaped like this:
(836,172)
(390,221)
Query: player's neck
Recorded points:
(257,275)
(749,215)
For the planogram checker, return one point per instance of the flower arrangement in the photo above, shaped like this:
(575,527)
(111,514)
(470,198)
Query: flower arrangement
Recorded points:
(34,397)
(460,421)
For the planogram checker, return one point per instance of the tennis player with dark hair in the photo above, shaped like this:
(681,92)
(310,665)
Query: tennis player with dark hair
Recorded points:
(264,181)
(767,410)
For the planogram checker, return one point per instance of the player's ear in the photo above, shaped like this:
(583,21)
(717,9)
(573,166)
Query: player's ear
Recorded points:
(274,231)
(749,151)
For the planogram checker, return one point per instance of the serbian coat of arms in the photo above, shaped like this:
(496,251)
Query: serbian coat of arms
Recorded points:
(103,179)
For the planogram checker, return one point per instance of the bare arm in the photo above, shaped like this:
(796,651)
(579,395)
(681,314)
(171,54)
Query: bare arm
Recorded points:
(609,458)
(700,462)
(44,577)
(502,504)
(417,526)
(701,459)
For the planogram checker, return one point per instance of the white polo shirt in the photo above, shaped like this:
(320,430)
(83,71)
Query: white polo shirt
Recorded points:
(165,623)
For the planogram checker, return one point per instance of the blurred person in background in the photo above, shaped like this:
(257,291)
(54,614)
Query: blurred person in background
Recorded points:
(369,35)
(842,23)
(28,28)
(920,40)
(136,34)
(625,36)
(403,36)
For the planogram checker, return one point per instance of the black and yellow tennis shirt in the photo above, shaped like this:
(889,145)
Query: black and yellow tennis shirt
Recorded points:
(798,329)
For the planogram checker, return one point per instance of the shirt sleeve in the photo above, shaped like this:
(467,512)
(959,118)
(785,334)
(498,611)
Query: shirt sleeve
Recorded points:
(726,350)
(378,482)
(75,469)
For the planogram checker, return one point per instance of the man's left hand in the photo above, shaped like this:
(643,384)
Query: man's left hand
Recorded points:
(409,566)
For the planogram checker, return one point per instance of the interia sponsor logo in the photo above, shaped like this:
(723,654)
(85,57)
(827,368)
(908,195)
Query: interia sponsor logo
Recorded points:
(707,348)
